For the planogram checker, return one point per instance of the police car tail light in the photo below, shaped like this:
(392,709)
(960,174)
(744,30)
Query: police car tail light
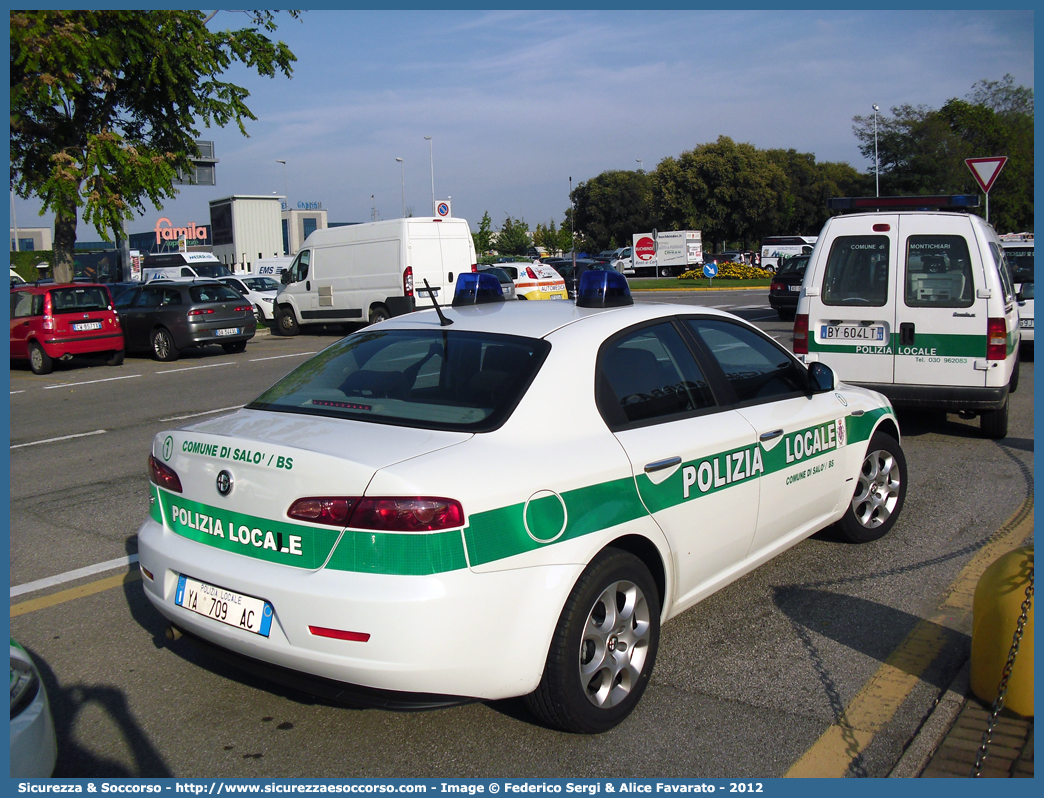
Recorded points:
(339,634)
(801,334)
(407,281)
(330,510)
(164,476)
(420,514)
(996,339)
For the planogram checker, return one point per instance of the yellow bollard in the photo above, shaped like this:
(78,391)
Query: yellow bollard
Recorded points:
(995,614)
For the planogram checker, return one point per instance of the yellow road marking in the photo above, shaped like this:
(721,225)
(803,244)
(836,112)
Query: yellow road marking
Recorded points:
(880,698)
(74,593)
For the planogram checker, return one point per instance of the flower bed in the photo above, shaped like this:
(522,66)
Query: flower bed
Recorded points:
(730,271)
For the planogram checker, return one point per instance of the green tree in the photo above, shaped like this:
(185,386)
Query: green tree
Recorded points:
(105,106)
(484,237)
(613,206)
(547,236)
(513,238)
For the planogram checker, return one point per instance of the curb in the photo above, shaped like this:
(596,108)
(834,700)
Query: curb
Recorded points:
(934,729)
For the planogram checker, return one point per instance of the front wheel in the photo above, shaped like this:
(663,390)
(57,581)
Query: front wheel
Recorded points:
(603,649)
(665,271)
(39,361)
(163,346)
(879,494)
(994,423)
(286,321)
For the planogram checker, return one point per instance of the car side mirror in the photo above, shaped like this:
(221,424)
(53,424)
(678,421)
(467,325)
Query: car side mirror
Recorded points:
(284,278)
(821,376)
(1018,297)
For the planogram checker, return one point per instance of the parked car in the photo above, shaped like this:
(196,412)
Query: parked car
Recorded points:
(786,285)
(535,281)
(52,321)
(261,291)
(507,285)
(34,750)
(1025,300)
(353,522)
(166,317)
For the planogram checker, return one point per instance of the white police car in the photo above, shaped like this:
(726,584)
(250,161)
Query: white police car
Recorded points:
(353,523)
(34,750)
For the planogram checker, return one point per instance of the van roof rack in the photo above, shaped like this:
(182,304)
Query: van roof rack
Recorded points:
(933,202)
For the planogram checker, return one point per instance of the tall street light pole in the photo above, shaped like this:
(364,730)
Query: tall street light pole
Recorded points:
(431,156)
(572,235)
(640,163)
(286,199)
(402,176)
(877,168)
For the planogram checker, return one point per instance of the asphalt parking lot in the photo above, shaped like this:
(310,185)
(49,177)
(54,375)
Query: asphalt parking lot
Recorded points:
(746,683)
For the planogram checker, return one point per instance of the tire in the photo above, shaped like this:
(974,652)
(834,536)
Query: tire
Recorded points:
(163,348)
(591,682)
(379,313)
(116,359)
(994,423)
(665,271)
(286,321)
(879,494)
(39,361)
(235,347)
(785,315)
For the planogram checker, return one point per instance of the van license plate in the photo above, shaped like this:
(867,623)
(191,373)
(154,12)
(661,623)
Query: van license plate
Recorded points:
(852,332)
(87,325)
(425,292)
(228,331)
(232,609)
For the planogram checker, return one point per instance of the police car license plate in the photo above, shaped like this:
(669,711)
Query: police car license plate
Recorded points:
(232,609)
(87,325)
(228,331)
(1026,323)
(852,332)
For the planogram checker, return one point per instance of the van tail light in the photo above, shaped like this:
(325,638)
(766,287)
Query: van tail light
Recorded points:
(996,339)
(801,334)
(407,281)
(386,514)
(164,476)
(531,273)
(474,268)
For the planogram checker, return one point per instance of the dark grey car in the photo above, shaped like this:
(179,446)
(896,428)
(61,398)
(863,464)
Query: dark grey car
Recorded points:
(165,318)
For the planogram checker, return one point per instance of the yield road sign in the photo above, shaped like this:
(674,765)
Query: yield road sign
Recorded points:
(985,170)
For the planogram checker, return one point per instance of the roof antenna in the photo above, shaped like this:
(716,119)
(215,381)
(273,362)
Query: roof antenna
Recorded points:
(443,321)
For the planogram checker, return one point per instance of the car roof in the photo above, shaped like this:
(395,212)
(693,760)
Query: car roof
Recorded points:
(537,319)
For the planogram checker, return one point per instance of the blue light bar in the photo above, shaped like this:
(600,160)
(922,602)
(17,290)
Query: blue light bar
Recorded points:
(477,289)
(934,202)
(602,289)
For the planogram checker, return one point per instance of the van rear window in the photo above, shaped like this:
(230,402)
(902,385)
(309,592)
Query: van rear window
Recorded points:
(938,272)
(857,272)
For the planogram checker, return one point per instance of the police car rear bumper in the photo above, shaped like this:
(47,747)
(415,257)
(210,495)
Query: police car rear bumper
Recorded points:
(940,397)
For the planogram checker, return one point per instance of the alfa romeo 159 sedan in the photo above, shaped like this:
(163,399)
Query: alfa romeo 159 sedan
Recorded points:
(402,515)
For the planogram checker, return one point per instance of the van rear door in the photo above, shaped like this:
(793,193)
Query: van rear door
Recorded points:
(458,251)
(425,257)
(851,321)
(940,328)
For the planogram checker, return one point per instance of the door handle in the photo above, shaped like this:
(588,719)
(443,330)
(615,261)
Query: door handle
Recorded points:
(308,285)
(906,333)
(659,465)
(767,436)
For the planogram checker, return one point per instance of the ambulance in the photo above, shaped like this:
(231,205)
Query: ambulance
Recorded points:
(912,297)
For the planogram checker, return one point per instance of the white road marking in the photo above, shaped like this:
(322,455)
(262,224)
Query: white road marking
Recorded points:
(276,357)
(90,382)
(14,392)
(204,413)
(62,438)
(69,576)
(193,368)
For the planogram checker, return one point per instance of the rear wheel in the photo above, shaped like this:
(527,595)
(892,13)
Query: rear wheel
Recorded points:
(994,423)
(879,494)
(286,321)
(115,359)
(665,271)
(163,347)
(235,347)
(604,647)
(379,313)
(39,361)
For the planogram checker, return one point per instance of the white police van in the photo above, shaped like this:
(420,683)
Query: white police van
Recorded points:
(916,304)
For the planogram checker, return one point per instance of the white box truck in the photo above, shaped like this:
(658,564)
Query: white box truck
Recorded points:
(373,271)
(667,253)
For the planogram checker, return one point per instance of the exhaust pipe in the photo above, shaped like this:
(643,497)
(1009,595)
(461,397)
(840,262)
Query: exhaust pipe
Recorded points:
(173,632)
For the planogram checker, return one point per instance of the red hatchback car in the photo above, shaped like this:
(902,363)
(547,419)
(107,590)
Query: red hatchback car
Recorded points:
(55,322)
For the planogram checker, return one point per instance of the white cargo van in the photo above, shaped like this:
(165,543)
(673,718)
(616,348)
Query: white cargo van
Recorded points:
(917,305)
(182,264)
(373,271)
(272,267)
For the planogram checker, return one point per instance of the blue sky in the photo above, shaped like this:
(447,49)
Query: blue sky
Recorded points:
(516,102)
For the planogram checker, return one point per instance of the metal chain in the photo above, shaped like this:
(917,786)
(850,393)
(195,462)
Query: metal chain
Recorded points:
(998,703)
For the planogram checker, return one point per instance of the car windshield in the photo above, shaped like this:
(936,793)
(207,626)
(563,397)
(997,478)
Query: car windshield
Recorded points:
(214,292)
(436,379)
(261,284)
(211,270)
(79,299)
(793,266)
(1020,260)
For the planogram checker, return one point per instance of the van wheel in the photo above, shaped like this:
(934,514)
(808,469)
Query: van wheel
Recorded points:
(879,494)
(603,649)
(39,361)
(163,347)
(116,359)
(286,321)
(379,313)
(234,348)
(994,423)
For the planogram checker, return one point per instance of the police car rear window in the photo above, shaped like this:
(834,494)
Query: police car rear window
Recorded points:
(436,379)
(857,272)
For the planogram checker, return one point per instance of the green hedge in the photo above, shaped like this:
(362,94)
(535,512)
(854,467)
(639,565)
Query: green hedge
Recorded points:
(25,262)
